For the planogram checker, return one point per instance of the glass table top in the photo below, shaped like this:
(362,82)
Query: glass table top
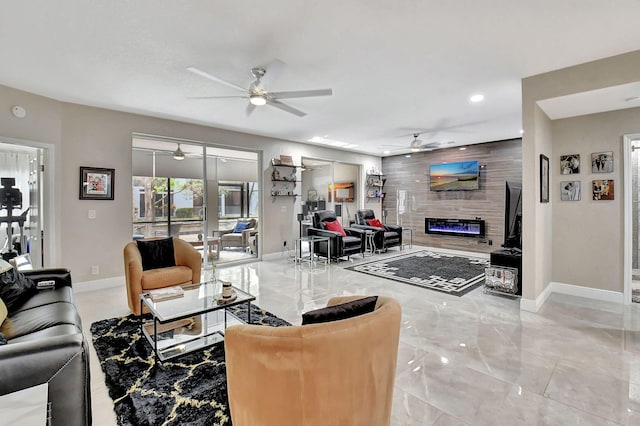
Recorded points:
(198,298)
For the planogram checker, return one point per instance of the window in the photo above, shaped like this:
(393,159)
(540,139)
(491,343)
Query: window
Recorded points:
(241,199)
(161,205)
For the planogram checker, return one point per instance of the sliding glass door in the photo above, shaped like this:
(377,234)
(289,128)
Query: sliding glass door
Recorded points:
(197,193)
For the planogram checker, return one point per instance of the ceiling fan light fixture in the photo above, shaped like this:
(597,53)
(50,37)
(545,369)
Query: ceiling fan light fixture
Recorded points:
(178,154)
(257,99)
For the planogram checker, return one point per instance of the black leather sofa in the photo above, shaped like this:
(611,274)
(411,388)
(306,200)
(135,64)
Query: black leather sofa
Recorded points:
(45,344)
(341,246)
(390,236)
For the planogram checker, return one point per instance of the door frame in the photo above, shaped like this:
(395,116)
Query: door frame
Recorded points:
(627,144)
(207,147)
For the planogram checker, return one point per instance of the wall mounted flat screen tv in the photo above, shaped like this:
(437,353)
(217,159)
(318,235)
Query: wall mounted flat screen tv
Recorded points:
(460,176)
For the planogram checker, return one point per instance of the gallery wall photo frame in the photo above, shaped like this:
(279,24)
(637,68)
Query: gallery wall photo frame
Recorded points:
(603,189)
(570,190)
(96,183)
(602,162)
(570,164)
(544,178)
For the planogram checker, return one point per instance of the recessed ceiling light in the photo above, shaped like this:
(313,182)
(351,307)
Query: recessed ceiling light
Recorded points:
(408,155)
(522,131)
(323,140)
(477,98)
(387,152)
(462,148)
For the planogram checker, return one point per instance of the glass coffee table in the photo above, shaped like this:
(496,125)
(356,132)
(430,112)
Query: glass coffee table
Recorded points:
(191,322)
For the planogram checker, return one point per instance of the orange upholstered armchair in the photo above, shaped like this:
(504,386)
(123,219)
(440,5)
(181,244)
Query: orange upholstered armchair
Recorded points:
(332,373)
(188,264)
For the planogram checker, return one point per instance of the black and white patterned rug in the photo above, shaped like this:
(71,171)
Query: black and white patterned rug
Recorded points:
(191,389)
(447,273)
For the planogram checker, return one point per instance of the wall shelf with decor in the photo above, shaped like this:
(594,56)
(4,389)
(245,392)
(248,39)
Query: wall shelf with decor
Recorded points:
(283,178)
(375,184)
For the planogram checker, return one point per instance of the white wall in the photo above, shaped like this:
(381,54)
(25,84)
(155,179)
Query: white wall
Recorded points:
(589,223)
(540,245)
(87,136)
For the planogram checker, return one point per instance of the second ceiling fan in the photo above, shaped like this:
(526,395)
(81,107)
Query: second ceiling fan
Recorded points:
(258,95)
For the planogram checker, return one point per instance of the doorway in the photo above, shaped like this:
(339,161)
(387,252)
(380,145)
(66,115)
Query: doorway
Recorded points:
(330,185)
(22,208)
(631,149)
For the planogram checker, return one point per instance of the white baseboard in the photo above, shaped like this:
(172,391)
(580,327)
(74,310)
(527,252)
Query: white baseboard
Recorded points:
(588,292)
(572,290)
(99,284)
(535,305)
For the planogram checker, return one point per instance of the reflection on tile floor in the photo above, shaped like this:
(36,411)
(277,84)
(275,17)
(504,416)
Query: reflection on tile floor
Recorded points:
(474,360)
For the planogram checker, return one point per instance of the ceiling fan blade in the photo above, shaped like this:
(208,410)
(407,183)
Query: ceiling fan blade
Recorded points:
(216,97)
(285,107)
(214,78)
(300,94)
(250,108)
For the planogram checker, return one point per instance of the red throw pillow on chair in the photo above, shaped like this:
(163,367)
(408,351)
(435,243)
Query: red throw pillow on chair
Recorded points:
(375,222)
(336,227)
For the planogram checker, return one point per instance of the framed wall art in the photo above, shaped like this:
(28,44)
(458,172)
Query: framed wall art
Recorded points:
(603,189)
(342,192)
(570,164)
(570,190)
(602,162)
(544,178)
(96,183)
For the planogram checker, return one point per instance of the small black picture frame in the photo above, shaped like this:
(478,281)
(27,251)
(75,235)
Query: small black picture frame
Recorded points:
(544,178)
(96,183)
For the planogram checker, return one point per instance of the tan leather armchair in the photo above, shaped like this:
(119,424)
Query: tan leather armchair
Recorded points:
(335,373)
(186,271)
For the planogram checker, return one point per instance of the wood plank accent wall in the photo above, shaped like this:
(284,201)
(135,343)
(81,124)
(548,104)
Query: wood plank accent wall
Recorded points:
(499,161)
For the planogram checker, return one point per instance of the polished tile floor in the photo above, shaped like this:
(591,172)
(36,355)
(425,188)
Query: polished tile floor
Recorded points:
(473,360)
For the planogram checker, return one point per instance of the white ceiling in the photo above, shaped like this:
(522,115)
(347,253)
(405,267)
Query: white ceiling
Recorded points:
(395,67)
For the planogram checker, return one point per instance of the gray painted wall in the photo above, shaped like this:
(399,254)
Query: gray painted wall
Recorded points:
(88,136)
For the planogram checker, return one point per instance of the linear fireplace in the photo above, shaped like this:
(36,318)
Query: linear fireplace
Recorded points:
(458,227)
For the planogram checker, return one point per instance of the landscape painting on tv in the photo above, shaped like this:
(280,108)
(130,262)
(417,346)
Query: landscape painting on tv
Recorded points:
(459,176)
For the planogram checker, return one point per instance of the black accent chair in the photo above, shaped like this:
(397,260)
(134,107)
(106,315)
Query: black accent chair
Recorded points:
(341,246)
(390,236)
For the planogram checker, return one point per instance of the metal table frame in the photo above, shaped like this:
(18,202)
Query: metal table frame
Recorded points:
(145,300)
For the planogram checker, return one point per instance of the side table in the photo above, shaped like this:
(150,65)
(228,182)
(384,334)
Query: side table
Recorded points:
(311,240)
(410,231)
(369,243)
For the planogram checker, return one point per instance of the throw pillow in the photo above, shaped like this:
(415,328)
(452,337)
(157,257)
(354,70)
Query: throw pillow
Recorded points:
(3,339)
(3,312)
(15,288)
(340,312)
(240,226)
(336,227)
(375,223)
(156,253)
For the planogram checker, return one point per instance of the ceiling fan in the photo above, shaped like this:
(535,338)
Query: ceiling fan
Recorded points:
(258,95)
(418,145)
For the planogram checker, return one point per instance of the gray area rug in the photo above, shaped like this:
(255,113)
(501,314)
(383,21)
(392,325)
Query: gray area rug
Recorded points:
(447,273)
